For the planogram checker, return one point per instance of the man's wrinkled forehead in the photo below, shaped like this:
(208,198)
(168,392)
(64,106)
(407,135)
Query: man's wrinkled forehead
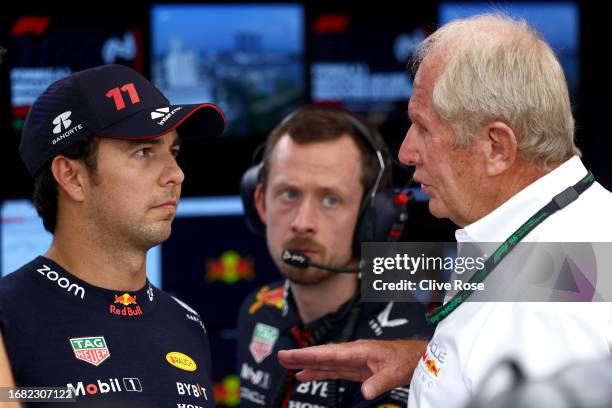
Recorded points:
(431,68)
(428,74)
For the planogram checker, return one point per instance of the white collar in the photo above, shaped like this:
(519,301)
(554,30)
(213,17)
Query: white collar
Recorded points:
(505,219)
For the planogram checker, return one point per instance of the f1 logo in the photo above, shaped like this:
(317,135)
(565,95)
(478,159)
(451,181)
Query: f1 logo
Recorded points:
(132,384)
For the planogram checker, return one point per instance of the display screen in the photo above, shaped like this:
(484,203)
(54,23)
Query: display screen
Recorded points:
(42,49)
(246,58)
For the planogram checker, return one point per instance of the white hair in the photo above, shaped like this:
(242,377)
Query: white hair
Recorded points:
(497,68)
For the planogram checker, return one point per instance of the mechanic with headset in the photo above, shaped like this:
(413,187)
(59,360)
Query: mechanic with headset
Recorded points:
(322,188)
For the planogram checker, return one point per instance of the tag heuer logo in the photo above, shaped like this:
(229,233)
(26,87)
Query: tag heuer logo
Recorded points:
(158,113)
(262,342)
(90,349)
(62,122)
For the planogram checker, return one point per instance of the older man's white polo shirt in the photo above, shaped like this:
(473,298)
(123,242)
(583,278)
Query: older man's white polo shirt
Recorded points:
(541,337)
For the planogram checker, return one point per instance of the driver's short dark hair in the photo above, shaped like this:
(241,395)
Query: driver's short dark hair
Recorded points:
(45,186)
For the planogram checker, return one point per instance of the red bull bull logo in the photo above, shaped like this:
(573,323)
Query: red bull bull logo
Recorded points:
(430,365)
(227,392)
(267,297)
(230,268)
(127,301)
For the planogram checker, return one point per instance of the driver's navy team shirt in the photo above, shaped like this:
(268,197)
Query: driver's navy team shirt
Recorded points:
(111,348)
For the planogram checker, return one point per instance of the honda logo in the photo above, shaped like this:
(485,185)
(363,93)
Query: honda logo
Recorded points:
(61,121)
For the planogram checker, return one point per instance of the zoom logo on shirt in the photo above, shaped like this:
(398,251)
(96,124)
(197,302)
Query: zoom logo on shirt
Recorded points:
(62,282)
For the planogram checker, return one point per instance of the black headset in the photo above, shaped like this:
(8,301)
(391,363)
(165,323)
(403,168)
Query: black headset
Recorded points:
(383,213)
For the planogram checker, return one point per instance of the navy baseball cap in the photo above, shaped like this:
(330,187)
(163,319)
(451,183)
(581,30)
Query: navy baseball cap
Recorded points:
(109,101)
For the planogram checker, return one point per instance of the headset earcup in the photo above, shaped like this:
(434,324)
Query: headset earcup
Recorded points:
(248,184)
(383,221)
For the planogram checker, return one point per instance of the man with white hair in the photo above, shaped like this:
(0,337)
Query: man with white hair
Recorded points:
(492,140)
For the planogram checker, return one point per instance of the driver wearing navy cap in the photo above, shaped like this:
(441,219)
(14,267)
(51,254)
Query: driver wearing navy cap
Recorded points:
(101,146)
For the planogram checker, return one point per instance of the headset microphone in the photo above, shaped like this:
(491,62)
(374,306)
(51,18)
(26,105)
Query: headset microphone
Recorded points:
(300,260)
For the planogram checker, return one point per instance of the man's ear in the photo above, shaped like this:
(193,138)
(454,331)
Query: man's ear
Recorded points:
(70,176)
(260,201)
(500,148)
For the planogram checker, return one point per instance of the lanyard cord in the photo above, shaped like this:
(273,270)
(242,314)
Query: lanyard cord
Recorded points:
(306,338)
(558,202)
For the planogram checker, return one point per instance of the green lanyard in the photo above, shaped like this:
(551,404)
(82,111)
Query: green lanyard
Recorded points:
(558,202)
